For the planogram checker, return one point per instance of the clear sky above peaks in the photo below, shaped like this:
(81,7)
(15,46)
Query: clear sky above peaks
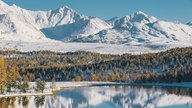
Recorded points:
(171,10)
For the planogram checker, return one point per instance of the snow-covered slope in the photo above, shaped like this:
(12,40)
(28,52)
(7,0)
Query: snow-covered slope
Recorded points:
(136,19)
(112,20)
(56,24)
(21,26)
(140,28)
(51,18)
(15,27)
(73,31)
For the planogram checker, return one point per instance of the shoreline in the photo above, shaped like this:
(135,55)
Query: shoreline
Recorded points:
(88,84)
(64,85)
(25,94)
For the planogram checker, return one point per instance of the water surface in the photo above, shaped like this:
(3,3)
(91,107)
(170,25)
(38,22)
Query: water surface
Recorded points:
(107,97)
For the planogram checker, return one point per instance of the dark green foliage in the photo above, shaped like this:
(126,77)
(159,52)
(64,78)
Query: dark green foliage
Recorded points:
(40,86)
(25,101)
(39,101)
(25,87)
(171,66)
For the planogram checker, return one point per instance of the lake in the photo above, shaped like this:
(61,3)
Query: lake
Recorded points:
(107,97)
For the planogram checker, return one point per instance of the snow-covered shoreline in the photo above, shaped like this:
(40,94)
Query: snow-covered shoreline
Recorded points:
(25,94)
(60,85)
(182,84)
(89,84)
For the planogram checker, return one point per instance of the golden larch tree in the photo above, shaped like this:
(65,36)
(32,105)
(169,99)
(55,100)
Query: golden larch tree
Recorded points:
(3,74)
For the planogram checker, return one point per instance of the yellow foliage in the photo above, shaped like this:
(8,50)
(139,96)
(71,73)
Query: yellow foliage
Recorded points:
(111,77)
(54,92)
(3,103)
(3,74)
(94,77)
(78,78)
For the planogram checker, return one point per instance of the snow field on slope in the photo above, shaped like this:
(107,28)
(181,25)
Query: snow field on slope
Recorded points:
(57,46)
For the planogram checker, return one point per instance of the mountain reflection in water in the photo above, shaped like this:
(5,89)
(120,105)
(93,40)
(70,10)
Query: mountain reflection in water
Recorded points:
(106,97)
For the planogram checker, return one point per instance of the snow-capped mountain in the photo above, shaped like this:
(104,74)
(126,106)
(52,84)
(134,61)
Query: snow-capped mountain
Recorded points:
(65,24)
(140,28)
(112,20)
(51,18)
(81,28)
(62,23)
(138,18)
(14,28)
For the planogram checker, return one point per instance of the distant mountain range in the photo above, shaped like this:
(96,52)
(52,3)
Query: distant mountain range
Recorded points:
(61,24)
(65,24)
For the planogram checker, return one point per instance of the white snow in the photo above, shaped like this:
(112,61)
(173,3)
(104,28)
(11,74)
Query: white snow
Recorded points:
(26,25)
(141,29)
(89,83)
(136,30)
(57,46)
(81,28)
(13,28)
(25,94)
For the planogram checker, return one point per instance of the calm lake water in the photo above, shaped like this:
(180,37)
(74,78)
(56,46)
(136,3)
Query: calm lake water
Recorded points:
(107,97)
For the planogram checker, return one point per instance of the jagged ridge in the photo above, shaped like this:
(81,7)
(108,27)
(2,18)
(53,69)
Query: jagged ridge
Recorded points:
(66,24)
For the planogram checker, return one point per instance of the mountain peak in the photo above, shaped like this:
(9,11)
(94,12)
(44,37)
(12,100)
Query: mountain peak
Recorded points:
(3,6)
(66,24)
(139,17)
(64,8)
(2,3)
(140,13)
(142,17)
(16,7)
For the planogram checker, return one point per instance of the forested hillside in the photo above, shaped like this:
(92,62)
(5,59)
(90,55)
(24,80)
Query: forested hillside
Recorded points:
(171,66)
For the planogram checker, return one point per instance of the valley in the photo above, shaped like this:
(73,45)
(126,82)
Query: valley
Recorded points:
(61,58)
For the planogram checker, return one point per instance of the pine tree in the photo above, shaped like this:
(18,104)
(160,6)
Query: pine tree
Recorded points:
(40,85)
(25,85)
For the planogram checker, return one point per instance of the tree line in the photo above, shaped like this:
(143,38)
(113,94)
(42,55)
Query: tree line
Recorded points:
(174,65)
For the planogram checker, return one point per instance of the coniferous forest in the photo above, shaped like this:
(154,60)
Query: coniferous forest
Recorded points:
(174,65)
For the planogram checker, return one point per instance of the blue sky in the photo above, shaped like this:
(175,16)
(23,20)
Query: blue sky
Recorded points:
(171,10)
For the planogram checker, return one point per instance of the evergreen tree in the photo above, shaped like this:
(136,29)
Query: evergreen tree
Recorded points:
(40,85)
(25,85)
